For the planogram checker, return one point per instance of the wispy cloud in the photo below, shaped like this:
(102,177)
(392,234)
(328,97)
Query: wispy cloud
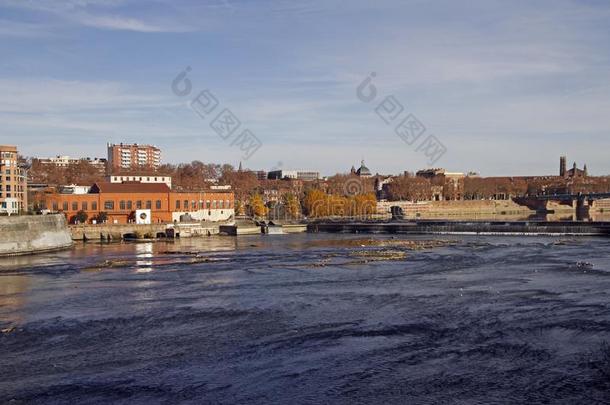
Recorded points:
(102,14)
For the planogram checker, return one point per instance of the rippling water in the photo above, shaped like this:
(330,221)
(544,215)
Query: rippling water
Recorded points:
(291,319)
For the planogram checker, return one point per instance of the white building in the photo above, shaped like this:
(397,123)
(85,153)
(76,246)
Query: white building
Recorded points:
(118,178)
(306,175)
(74,189)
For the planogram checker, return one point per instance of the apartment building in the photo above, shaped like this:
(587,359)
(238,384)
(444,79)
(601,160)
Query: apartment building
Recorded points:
(305,175)
(133,157)
(13,182)
(65,161)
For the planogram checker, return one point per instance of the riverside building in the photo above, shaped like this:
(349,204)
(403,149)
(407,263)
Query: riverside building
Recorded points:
(119,202)
(13,182)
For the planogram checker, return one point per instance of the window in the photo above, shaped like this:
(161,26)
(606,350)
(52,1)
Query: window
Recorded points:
(129,205)
(186,204)
(94,206)
(200,204)
(228,204)
(148,204)
(207,204)
(138,205)
(122,205)
(55,207)
(213,204)
(65,206)
(193,205)
(158,204)
(108,205)
(177,204)
(74,206)
(85,206)
(221,204)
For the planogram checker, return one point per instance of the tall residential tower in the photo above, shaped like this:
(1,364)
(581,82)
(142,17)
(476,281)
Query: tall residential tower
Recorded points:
(125,157)
(13,182)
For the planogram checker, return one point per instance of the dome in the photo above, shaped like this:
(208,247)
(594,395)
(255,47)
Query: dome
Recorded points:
(363,170)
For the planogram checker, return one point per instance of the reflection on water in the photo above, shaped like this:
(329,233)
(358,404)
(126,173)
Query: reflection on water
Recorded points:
(13,294)
(144,255)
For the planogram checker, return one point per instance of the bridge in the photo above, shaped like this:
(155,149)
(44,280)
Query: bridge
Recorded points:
(573,197)
(553,202)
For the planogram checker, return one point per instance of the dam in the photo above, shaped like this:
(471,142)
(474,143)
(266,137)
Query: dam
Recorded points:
(432,227)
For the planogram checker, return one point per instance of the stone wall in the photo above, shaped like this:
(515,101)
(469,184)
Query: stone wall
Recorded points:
(444,209)
(30,234)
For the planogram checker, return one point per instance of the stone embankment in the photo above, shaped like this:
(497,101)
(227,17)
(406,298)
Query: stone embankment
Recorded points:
(117,232)
(29,234)
(505,209)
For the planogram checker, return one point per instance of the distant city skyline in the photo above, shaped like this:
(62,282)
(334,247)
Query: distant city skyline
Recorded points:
(508,87)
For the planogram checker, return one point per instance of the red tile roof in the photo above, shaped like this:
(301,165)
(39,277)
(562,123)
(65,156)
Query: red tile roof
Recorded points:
(130,188)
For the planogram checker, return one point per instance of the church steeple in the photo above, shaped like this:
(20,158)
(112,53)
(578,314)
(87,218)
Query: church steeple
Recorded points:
(240,169)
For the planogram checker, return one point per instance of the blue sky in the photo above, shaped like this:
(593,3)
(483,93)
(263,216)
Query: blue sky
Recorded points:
(506,86)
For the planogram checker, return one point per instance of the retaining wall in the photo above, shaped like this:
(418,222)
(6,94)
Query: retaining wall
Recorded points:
(28,234)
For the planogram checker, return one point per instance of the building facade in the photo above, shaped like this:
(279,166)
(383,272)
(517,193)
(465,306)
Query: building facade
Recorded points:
(132,157)
(13,182)
(305,175)
(119,201)
(140,178)
(65,161)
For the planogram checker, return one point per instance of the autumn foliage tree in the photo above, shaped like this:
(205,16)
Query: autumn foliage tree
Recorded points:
(257,207)
(319,204)
(292,205)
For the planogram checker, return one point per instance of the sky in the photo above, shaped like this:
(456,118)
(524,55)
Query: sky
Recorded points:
(505,86)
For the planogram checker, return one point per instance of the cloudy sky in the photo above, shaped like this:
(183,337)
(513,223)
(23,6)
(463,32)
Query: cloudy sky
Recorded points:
(506,86)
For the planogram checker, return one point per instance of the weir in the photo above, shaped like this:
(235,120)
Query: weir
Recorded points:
(466,227)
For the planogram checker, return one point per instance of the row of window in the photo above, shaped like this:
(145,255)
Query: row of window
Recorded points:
(208,204)
(136,178)
(10,195)
(130,205)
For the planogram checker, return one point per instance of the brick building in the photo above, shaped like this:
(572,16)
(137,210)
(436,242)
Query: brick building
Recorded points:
(123,157)
(120,201)
(13,182)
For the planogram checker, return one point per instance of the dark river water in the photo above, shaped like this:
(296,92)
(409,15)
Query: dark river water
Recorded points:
(305,319)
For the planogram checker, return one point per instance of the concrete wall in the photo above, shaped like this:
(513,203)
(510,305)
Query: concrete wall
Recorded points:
(32,234)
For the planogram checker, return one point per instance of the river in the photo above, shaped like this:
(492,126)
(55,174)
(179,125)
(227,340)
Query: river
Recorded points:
(309,318)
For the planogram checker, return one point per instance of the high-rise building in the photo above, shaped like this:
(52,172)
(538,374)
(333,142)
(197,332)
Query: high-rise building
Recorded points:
(133,157)
(13,182)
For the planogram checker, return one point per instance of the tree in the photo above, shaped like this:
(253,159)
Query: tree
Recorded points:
(80,217)
(292,205)
(257,206)
(239,208)
(102,217)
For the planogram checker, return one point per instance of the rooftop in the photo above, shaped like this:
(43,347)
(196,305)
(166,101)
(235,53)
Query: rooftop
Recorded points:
(130,188)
